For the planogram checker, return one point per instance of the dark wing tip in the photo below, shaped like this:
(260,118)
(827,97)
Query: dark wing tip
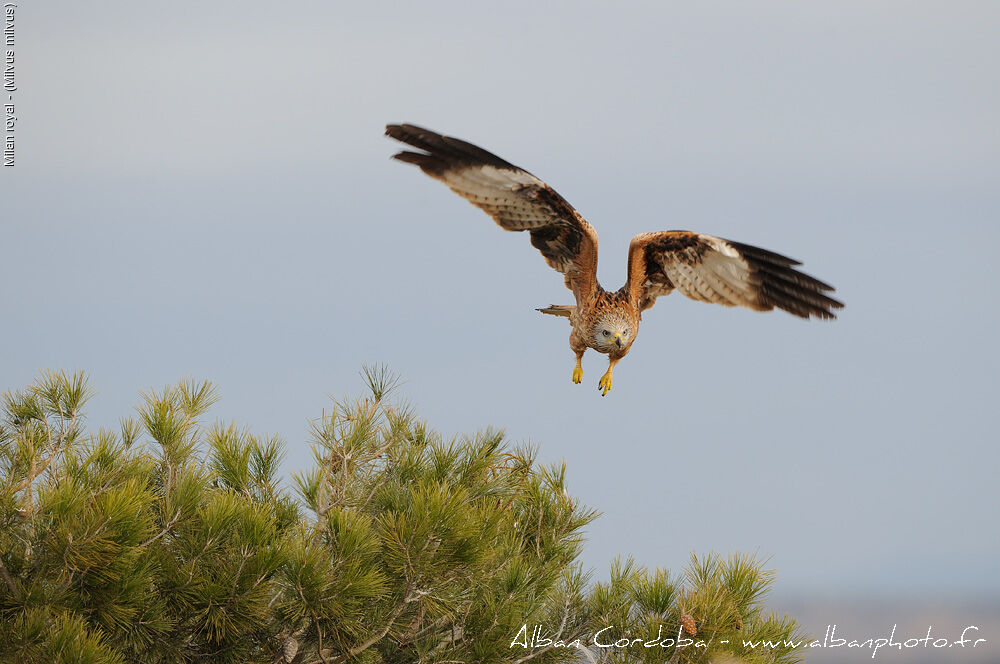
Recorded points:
(784,287)
(796,292)
(763,255)
(428,163)
(402,131)
(447,150)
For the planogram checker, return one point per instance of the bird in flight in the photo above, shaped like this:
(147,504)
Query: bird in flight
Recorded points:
(702,267)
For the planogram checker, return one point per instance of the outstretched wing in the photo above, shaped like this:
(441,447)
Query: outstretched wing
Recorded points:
(712,269)
(516,199)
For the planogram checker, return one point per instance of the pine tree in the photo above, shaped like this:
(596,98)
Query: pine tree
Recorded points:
(166,541)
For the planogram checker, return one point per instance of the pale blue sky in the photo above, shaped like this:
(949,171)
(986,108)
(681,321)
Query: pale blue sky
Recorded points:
(206,191)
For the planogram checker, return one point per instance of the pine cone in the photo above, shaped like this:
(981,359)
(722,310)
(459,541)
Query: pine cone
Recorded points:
(289,648)
(687,622)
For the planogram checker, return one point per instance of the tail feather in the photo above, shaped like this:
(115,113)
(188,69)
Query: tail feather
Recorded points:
(566,310)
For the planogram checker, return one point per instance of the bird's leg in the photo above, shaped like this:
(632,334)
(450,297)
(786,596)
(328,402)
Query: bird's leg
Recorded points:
(605,383)
(578,369)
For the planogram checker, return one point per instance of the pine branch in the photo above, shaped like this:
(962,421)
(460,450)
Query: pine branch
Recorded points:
(478,536)
(409,598)
(8,579)
(166,529)
(54,447)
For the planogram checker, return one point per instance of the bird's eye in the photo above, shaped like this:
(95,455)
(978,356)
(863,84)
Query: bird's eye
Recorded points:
(606,333)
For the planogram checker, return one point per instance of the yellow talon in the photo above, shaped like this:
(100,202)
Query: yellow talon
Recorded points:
(605,383)
(578,370)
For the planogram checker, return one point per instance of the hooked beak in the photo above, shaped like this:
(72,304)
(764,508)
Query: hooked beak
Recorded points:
(618,340)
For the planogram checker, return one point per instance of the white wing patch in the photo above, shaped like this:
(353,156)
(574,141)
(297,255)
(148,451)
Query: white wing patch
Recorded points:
(720,245)
(719,275)
(504,194)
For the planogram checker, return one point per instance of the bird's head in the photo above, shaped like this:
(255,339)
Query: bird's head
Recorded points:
(612,332)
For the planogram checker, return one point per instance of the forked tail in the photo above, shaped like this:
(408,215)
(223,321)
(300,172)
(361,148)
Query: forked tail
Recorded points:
(565,310)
